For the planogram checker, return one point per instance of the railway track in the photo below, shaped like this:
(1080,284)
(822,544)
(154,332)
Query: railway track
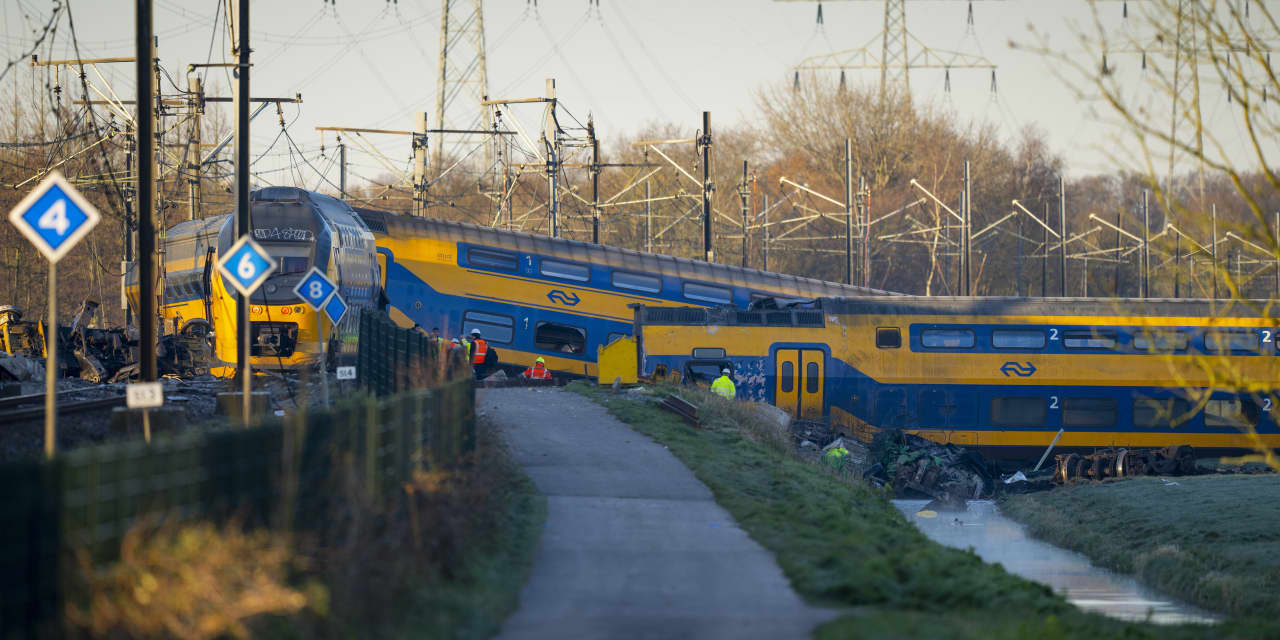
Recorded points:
(11,408)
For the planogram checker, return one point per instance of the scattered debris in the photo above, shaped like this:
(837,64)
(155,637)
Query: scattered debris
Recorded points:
(682,408)
(916,467)
(21,368)
(1121,463)
(812,430)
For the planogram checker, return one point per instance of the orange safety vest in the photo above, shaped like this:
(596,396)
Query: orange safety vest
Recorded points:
(479,350)
(538,372)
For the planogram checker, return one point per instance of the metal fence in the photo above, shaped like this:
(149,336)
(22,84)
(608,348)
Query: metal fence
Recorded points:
(392,359)
(279,475)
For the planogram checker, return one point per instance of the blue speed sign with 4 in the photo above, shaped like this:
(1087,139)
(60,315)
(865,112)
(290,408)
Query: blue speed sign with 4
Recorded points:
(54,217)
(246,265)
(315,289)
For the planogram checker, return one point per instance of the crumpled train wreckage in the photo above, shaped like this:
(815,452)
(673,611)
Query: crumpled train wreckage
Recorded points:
(96,355)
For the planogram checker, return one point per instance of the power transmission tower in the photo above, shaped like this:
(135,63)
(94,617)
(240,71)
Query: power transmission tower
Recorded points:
(1187,47)
(463,82)
(895,51)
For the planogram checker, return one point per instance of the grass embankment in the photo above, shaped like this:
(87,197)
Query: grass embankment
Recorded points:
(445,559)
(1210,540)
(474,600)
(842,543)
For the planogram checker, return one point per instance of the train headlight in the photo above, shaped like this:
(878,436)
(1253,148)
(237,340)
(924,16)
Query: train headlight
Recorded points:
(285,311)
(297,309)
(271,288)
(255,309)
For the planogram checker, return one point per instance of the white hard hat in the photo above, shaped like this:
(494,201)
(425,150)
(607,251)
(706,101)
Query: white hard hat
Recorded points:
(725,371)
(475,332)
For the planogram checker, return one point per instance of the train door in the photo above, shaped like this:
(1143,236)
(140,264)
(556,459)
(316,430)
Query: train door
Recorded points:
(798,378)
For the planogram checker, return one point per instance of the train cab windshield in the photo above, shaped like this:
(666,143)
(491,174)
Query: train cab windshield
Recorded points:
(292,232)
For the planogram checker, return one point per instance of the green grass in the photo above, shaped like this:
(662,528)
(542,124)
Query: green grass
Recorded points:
(475,602)
(1210,540)
(842,544)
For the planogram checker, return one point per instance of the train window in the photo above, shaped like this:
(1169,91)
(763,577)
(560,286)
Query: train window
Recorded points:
(1160,412)
(948,338)
(1231,340)
(1224,412)
(566,270)
(292,264)
(552,336)
(492,259)
(703,372)
(1088,339)
(707,293)
(1017,338)
(493,327)
(636,282)
(1018,411)
(707,353)
(759,300)
(1088,412)
(811,377)
(1160,340)
(888,337)
(788,382)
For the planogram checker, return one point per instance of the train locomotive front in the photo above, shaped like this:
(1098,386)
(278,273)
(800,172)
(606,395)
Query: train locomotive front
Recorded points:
(300,229)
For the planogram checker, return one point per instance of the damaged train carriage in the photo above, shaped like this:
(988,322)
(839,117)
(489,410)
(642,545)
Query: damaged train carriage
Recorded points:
(1002,374)
(299,229)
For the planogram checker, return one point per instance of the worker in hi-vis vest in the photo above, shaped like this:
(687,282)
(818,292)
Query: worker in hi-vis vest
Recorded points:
(724,385)
(538,371)
(479,351)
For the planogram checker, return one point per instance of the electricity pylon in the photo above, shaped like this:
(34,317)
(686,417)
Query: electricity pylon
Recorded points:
(463,81)
(1188,42)
(897,53)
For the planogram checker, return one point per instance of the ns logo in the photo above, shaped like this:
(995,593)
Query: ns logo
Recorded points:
(557,296)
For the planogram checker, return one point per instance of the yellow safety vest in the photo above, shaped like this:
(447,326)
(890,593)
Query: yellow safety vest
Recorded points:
(724,386)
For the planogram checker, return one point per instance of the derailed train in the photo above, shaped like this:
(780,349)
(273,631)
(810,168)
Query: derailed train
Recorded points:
(1002,374)
(530,296)
(300,229)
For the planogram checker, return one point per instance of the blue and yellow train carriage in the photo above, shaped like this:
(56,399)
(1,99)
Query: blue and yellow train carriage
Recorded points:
(299,229)
(533,296)
(1004,374)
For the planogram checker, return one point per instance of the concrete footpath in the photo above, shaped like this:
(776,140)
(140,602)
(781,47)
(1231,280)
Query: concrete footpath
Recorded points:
(634,546)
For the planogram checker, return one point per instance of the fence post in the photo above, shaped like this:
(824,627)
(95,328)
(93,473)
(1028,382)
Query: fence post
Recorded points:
(370,419)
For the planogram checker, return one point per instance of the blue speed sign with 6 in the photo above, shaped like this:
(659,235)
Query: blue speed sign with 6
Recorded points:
(246,266)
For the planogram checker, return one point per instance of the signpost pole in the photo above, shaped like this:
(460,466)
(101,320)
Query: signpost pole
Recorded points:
(146,262)
(51,364)
(242,186)
(324,357)
(54,217)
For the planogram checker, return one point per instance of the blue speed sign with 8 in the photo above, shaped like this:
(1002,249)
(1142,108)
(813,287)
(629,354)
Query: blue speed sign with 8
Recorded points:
(315,289)
(246,265)
(54,216)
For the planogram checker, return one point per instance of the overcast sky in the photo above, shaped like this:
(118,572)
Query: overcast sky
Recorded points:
(373,63)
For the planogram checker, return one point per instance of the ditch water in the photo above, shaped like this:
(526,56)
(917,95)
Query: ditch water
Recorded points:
(996,538)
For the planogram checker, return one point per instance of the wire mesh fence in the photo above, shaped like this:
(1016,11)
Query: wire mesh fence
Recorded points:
(277,475)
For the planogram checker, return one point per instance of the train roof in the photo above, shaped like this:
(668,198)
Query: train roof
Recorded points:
(1013,306)
(400,226)
(197,227)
